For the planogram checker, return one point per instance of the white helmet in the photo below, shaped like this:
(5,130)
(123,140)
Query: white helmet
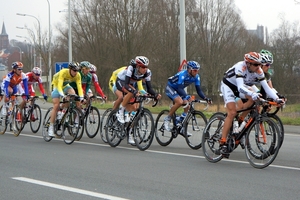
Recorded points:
(36,70)
(93,68)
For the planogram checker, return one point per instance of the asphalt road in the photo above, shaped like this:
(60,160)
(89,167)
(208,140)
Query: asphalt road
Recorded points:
(89,169)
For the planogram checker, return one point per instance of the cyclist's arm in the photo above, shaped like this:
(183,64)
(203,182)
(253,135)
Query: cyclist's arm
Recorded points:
(79,85)
(149,88)
(241,86)
(41,86)
(25,83)
(200,92)
(268,90)
(140,87)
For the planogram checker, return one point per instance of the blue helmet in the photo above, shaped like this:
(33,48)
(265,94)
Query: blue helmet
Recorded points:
(193,65)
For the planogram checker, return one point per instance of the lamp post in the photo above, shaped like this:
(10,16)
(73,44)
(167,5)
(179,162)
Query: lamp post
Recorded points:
(70,32)
(49,52)
(39,32)
(34,62)
(34,55)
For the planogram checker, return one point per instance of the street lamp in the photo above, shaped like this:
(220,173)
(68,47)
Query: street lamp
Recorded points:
(31,31)
(34,56)
(49,52)
(39,32)
(70,32)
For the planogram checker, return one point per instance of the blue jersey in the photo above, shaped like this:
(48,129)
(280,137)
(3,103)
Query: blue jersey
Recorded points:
(183,78)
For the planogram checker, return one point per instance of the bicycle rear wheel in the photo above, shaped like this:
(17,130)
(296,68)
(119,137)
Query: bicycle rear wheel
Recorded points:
(112,129)
(71,125)
(210,138)
(143,130)
(46,124)
(193,129)
(92,122)
(163,137)
(3,122)
(279,123)
(35,118)
(262,142)
(102,124)
(79,122)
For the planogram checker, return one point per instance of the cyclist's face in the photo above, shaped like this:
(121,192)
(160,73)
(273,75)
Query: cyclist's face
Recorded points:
(193,72)
(73,72)
(85,70)
(18,71)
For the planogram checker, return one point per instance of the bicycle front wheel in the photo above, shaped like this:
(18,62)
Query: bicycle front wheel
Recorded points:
(163,137)
(19,120)
(279,123)
(92,122)
(35,118)
(102,124)
(210,138)
(46,124)
(193,129)
(143,130)
(71,125)
(262,142)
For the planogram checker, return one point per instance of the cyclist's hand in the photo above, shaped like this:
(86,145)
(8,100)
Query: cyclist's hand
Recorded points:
(45,97)
(105,98)
(208,100)
(157,96)
(255,96)
(280,101)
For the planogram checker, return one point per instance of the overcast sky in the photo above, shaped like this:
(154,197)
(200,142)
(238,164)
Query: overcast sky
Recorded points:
(253,12)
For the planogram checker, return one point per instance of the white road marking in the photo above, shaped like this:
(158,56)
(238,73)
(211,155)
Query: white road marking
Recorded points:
(69,189)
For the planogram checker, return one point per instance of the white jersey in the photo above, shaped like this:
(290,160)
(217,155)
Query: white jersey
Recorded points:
(132,72)
(238,77)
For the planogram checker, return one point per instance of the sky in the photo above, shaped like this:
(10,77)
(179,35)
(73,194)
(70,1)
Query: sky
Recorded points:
(253,12)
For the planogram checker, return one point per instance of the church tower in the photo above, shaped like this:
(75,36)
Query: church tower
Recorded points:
(4,42)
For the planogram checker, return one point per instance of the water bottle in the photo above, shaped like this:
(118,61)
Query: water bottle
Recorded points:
(182,116)
(235,127)
(132,114)
(178,120)
(242,125)
(59,115)
(126,116)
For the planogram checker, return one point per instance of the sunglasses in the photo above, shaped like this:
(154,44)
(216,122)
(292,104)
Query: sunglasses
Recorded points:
(74,70)
(195,70)
(268,65)
(256,64)
(143,67)
(20,69)
(37,74)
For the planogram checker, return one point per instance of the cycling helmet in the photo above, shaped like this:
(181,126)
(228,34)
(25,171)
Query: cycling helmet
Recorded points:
(74,66)
(93,68)
(252,57)
(36,70)
(193,65)
(84,64)
(142,61)
(16,65)
(267,56)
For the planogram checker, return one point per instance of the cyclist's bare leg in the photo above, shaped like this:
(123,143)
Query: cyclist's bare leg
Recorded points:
(177,103)
(55,102)
(231,113)
(117,103)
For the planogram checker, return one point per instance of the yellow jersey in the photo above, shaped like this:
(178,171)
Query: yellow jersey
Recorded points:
(62,78)
(114,77)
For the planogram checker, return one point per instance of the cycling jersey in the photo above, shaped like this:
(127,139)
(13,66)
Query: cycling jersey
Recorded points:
(31,81)
(63,78)
(238,77)
(86,81)
(130,75)
(13,80)
(97,85)
(181,80)
(113,79)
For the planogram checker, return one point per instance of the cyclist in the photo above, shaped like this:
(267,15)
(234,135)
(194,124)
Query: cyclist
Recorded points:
(10,85)
(97,86)
(86,78)
(118,93)
(175,90)
(35,77)
(61,87)
(236,78)
(137,70)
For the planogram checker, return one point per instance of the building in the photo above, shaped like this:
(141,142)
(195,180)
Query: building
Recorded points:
(4,46)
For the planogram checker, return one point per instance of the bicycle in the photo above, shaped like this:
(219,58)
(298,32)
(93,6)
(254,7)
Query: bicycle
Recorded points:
(190,128)
(262,137)
(91,119)
(141,125)
(66,122)
(30,113)
(10,110)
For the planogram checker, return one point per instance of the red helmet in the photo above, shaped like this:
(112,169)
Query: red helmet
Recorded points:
(253,57)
